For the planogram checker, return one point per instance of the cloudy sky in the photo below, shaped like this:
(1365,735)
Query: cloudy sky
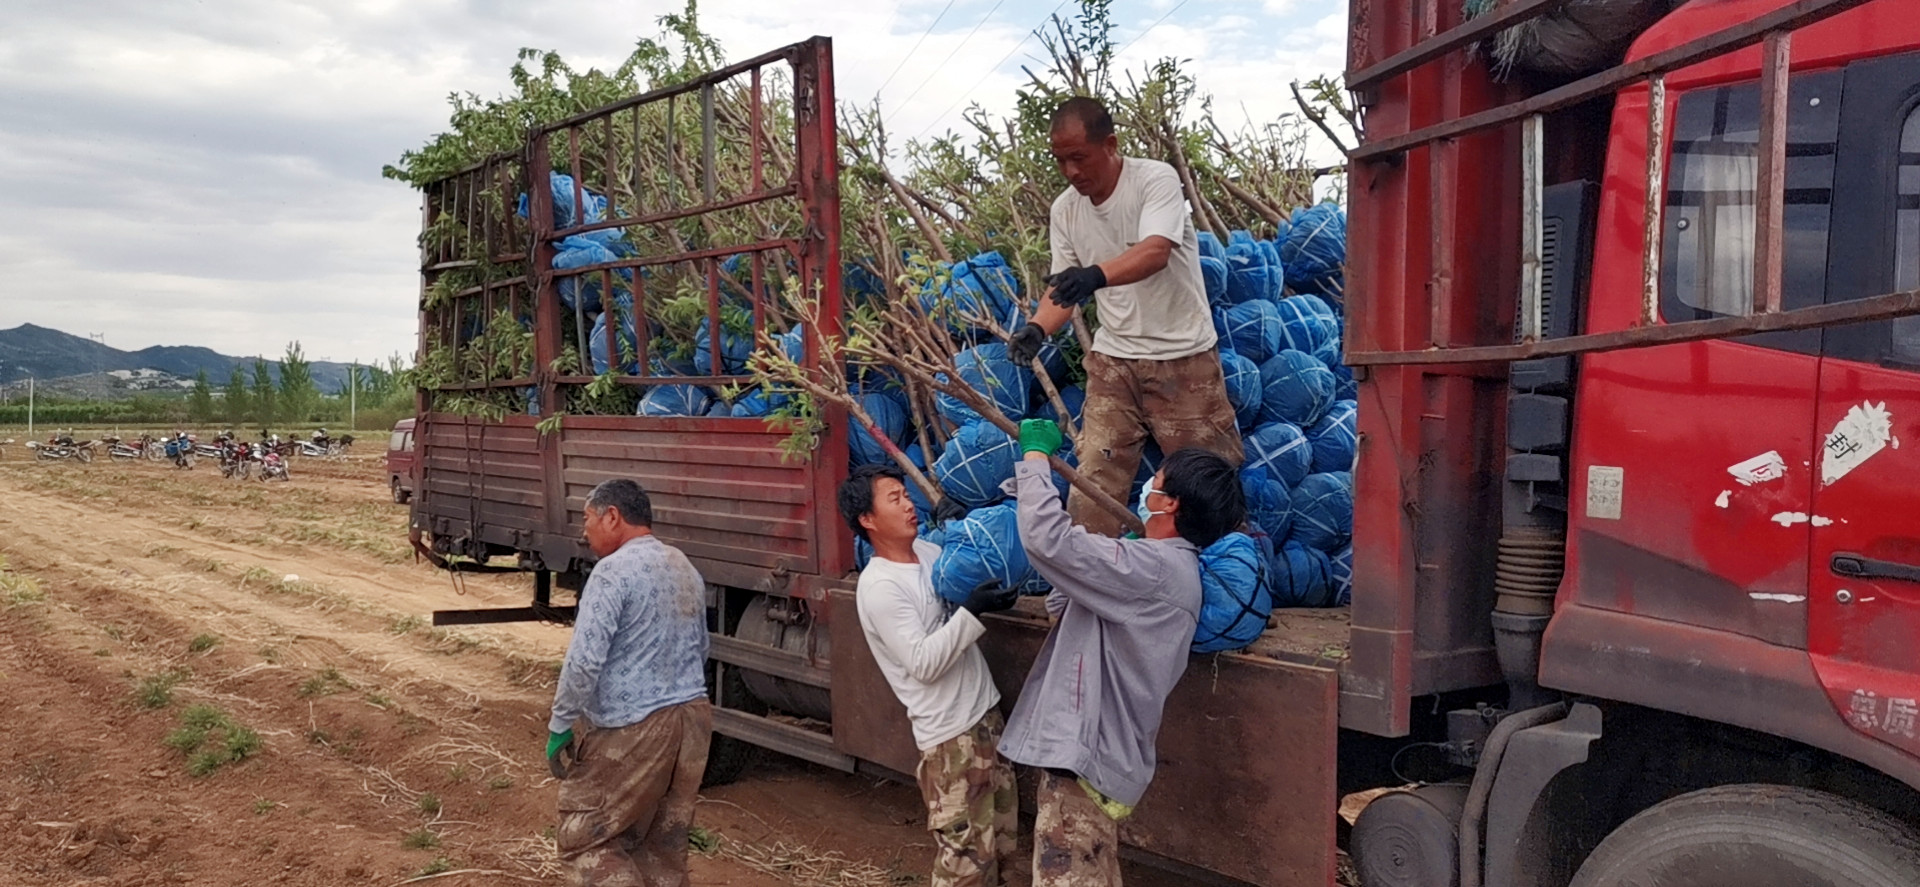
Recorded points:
(208,173)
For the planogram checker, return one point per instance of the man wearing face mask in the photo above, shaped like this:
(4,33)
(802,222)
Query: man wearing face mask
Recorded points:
(1123,239)
(1125,610)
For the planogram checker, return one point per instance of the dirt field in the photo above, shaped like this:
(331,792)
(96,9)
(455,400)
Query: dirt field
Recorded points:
(223,682)
(139,600)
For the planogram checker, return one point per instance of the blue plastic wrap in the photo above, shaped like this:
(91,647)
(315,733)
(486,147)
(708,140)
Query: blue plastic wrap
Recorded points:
(580,251)
(1295,387)
(987,369)
(890,414)
(1303,327)
(560,185)
(1302,577)
(1268,504)
(1214,272)
(984,547)
(1333,438)
(1210,246)
(982,285)
(1282,450)
(597,342)
(1243,386)
(1343,577)
(1249,277)
(1315,249)
(735,348)
(753,404)
(674,400)
(1323,511)
(977,459)
(1236,596)
(1254,329)
(858,286)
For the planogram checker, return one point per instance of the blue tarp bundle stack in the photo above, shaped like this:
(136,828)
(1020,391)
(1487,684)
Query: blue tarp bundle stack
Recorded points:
(977,459)
(1296,388)
(982,286)
(1314,250)
(988,370)
(1333,438)
(674,400)
(1236,595)
(984,547)
(889,413)
(1253,329)
(1254,272)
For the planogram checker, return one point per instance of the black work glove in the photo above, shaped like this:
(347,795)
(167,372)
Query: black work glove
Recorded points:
(989,597)
(948,509)
(1024,345)
(1075,286)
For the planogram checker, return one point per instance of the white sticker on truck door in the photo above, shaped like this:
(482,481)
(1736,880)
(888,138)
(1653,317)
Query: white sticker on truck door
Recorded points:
(1606,485)
(1863,432)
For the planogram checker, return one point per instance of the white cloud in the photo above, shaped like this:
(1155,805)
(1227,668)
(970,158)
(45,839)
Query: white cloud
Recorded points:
(208,173)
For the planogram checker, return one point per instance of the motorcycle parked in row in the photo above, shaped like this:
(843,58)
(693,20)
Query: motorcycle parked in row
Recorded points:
(320,444)
(144,448)
(236,458)
(62,446)
(273,464)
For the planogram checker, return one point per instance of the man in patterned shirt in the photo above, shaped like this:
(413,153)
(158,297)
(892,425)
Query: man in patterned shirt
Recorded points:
(635,673)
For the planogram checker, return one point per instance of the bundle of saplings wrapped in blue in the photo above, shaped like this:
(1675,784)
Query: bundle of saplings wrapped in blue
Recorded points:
(1276,305)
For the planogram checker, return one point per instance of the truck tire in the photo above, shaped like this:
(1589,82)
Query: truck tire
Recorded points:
(400,495)
(728,757)
(1756,836)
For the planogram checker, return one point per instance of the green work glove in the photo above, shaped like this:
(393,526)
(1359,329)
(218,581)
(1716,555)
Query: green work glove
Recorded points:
(558,741)
(1039,436)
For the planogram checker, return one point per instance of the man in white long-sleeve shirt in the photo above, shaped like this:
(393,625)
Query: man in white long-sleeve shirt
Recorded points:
(933,664)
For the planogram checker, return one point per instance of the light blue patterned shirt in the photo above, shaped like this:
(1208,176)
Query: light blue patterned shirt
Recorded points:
(639,639)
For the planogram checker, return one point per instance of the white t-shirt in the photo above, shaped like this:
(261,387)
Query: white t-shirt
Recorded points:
(1164,316)
(930,660)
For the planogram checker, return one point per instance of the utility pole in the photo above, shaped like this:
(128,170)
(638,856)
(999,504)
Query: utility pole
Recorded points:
(30,406)
(99,365)
(353,396)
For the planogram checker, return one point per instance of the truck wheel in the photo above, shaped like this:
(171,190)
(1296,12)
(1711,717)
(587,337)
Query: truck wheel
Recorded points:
(400,496)
(1756,836)
(728,757)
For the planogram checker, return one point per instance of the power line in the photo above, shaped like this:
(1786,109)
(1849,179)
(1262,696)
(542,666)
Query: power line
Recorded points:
(990,71)
(1149,30)
(916,48)
(950,55)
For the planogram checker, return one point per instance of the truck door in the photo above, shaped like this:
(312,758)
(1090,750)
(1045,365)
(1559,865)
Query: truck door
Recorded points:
(1864,607)
(1692,453)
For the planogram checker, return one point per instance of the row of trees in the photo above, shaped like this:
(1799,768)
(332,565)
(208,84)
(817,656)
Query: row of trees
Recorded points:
(252,397)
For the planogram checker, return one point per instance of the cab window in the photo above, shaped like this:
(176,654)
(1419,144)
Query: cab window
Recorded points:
(1906,330)
(1708,241)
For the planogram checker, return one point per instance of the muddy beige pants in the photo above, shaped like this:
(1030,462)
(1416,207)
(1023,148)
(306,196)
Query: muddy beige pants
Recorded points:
(626,807)
(1179,403)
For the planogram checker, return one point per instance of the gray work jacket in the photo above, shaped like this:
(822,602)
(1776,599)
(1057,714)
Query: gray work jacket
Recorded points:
(1126,609)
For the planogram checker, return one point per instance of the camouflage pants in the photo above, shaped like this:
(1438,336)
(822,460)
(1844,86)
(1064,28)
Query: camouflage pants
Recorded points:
(972,808)
(1179,403)
(1075,843)
(626,807)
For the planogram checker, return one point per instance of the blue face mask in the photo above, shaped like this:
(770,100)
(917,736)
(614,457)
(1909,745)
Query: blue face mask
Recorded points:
(1140,508)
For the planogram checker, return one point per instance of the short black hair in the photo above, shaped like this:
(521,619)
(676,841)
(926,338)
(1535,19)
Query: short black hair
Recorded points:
(1093,117)
(856,493)
(626,497)
(1212,503)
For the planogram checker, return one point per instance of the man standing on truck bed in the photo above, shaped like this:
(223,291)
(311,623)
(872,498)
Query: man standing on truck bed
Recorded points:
(636,672)
(1126,609)
(935,667)
(1123,238)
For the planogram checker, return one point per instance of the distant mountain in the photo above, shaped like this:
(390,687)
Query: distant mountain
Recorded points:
(29,350)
